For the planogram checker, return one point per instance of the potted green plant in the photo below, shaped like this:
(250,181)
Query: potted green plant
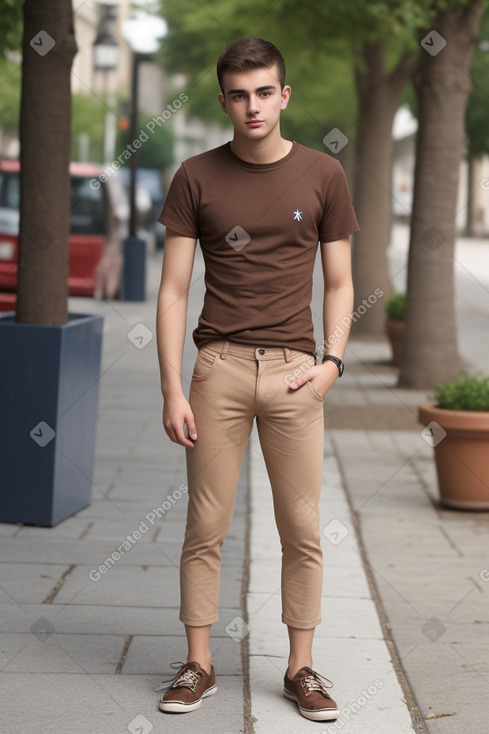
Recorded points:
(395,309)
(456,424)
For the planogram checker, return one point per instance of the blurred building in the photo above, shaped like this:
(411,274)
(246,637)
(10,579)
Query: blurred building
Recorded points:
(473,193)
(155,86)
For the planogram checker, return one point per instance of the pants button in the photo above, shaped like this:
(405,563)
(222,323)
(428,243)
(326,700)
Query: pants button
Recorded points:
(261,351)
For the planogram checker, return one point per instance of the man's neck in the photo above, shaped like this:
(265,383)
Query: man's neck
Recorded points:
(260,151)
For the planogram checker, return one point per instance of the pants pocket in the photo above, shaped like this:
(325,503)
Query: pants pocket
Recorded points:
(314,391)
(205,363)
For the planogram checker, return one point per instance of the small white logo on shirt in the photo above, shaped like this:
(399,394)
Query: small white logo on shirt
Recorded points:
(297,215)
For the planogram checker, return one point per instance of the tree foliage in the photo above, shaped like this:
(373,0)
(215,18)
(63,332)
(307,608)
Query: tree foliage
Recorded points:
(322,84)
(10,78)
(476,119)
(157,150)
(11,35)
(88,118)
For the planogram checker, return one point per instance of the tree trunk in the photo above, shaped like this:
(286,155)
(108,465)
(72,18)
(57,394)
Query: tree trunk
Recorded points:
(442,84)
(379,95)
(48,50)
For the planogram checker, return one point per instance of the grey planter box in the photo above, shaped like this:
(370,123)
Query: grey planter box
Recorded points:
(49,379)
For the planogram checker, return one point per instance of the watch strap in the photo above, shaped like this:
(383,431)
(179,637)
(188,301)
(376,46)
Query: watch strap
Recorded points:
(338,362)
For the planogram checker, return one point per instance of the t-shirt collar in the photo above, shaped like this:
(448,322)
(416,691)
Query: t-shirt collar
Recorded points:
(261,166)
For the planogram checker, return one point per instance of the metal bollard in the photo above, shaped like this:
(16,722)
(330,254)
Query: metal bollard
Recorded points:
(134,270)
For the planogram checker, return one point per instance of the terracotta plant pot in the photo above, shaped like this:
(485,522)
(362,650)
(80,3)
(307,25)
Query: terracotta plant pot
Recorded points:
(462,455)
(395,334)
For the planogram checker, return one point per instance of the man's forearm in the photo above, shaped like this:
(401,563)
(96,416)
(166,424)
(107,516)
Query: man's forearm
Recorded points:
(170,330)
(337,310)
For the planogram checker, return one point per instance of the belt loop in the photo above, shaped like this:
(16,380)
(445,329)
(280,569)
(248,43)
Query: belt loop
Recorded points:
(287,354)
(224,350)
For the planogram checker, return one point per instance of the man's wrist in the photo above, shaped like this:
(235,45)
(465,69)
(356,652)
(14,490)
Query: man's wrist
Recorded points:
(171,391)
(336,360)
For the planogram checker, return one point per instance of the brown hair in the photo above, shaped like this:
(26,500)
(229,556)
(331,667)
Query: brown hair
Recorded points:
(250,53)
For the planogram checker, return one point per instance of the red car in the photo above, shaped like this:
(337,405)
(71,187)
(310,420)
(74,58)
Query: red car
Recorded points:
(93,228)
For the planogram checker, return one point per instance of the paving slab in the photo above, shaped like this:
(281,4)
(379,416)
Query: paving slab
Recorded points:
(43,651)
(33,584)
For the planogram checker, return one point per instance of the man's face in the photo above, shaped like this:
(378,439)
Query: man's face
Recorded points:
(253,100)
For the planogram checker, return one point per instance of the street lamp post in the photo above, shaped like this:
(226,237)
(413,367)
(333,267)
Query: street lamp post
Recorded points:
(106,59)
(134,273)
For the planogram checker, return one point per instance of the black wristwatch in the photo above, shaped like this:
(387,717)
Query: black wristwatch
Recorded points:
(336,360)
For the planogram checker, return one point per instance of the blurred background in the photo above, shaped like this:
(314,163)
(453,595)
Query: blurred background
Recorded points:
(178,43)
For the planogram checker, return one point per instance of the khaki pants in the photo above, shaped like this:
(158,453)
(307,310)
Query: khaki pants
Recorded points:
(231,385)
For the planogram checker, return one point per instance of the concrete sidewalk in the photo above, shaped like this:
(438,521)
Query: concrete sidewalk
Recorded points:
(428,565)
(349,644)
(404,607)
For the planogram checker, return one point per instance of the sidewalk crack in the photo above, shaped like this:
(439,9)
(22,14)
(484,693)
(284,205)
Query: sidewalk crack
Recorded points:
(124,652)
(54,592)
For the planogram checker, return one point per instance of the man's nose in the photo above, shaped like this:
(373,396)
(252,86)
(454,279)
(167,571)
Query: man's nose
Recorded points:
(253,106)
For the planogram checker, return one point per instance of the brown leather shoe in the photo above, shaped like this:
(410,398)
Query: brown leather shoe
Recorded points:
(190,685)
(310,693)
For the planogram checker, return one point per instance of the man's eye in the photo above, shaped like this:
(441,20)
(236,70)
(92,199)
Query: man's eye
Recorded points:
(265,94)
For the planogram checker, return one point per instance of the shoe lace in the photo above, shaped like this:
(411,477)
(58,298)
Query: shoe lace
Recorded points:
(187,678)
(314,682)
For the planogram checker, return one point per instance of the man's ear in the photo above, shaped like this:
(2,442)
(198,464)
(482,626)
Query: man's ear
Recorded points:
(222,102)
(286,92)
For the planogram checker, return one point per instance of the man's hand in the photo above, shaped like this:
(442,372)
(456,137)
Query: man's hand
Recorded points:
(177,414)
(321,376)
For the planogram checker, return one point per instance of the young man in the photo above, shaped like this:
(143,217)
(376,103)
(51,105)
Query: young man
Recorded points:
(259,205)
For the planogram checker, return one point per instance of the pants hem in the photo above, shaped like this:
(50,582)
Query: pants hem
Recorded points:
(198,621)
(300,624)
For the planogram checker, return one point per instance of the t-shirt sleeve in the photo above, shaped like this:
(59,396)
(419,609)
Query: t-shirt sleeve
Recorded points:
(338,220)
(179,210)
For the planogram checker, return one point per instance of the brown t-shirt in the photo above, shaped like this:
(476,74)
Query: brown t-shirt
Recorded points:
(259,226)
